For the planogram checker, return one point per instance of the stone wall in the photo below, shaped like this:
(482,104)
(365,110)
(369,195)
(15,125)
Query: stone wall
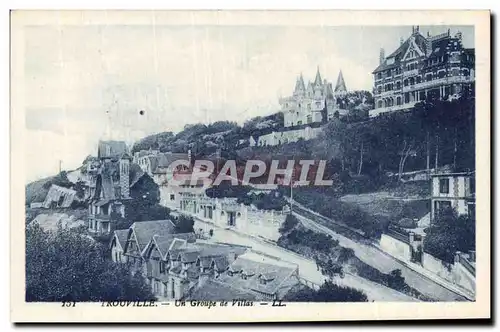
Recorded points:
(455,273)
(395,247)
(289,136)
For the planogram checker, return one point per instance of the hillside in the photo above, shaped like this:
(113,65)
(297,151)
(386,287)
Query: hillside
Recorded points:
(37,190)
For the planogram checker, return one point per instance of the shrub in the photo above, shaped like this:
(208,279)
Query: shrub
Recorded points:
(407,223)
(328,292)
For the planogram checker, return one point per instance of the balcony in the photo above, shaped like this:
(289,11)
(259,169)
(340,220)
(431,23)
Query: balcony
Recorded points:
(412,72)
(387,93)
(439,82)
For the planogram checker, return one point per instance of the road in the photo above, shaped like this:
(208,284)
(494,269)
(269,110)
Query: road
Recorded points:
(307,268)
(377,259)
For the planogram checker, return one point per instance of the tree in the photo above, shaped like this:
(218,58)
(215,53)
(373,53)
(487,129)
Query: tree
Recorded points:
(68,265)
(395,280)
(79,187)
(450,233)
(328,292)
(184,224)
(290,222)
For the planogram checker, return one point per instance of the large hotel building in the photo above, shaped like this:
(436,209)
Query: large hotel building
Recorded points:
(422,67)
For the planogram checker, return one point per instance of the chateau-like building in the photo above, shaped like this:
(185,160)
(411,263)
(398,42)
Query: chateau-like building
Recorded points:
(110,177)
(422,67)
(315,103)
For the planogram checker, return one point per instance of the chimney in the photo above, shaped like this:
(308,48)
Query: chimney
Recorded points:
(428,47)
(124,177)
(382,56)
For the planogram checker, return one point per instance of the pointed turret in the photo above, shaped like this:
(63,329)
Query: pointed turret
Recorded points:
(340,86)
(299,85)
(317,80)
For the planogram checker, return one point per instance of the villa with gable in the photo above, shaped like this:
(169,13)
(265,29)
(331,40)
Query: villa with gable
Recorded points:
(180,266)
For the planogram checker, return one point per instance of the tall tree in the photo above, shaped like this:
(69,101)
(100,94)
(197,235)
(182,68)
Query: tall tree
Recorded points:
(68,265)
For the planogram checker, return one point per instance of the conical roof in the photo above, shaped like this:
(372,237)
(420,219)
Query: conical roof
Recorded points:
(340,86)
(317,80)
(299,85)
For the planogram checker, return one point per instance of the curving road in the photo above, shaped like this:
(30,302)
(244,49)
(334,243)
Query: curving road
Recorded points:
(307,268)
(377,259)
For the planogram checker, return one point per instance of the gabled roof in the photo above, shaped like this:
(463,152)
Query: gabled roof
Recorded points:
(144,230)
(399,53)
(165,243)
(112,149)
(120,236)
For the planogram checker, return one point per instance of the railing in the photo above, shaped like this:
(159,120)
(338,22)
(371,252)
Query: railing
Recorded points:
(410,72)
(440,81)
(309,283)
(398,236)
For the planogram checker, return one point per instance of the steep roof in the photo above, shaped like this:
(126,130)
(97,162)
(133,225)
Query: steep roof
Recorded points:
(56,193)
(135,174)
(340,86)
(299,85)
(112,149)
(144,230)
(168,242)
(317,80)
(399,53)
(121,236)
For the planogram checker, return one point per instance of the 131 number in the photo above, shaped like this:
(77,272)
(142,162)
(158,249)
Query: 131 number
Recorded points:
(69,304)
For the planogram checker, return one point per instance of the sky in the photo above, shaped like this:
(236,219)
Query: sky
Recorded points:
(85,83)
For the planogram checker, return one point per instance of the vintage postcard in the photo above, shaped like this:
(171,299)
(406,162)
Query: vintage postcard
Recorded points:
(250,166)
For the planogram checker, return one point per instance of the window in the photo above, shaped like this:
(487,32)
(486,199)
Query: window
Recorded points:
(471,210)
(309,119)
(440,206)
(172,197)
(444,186)
(299,123)
(162,267)
(472,186)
